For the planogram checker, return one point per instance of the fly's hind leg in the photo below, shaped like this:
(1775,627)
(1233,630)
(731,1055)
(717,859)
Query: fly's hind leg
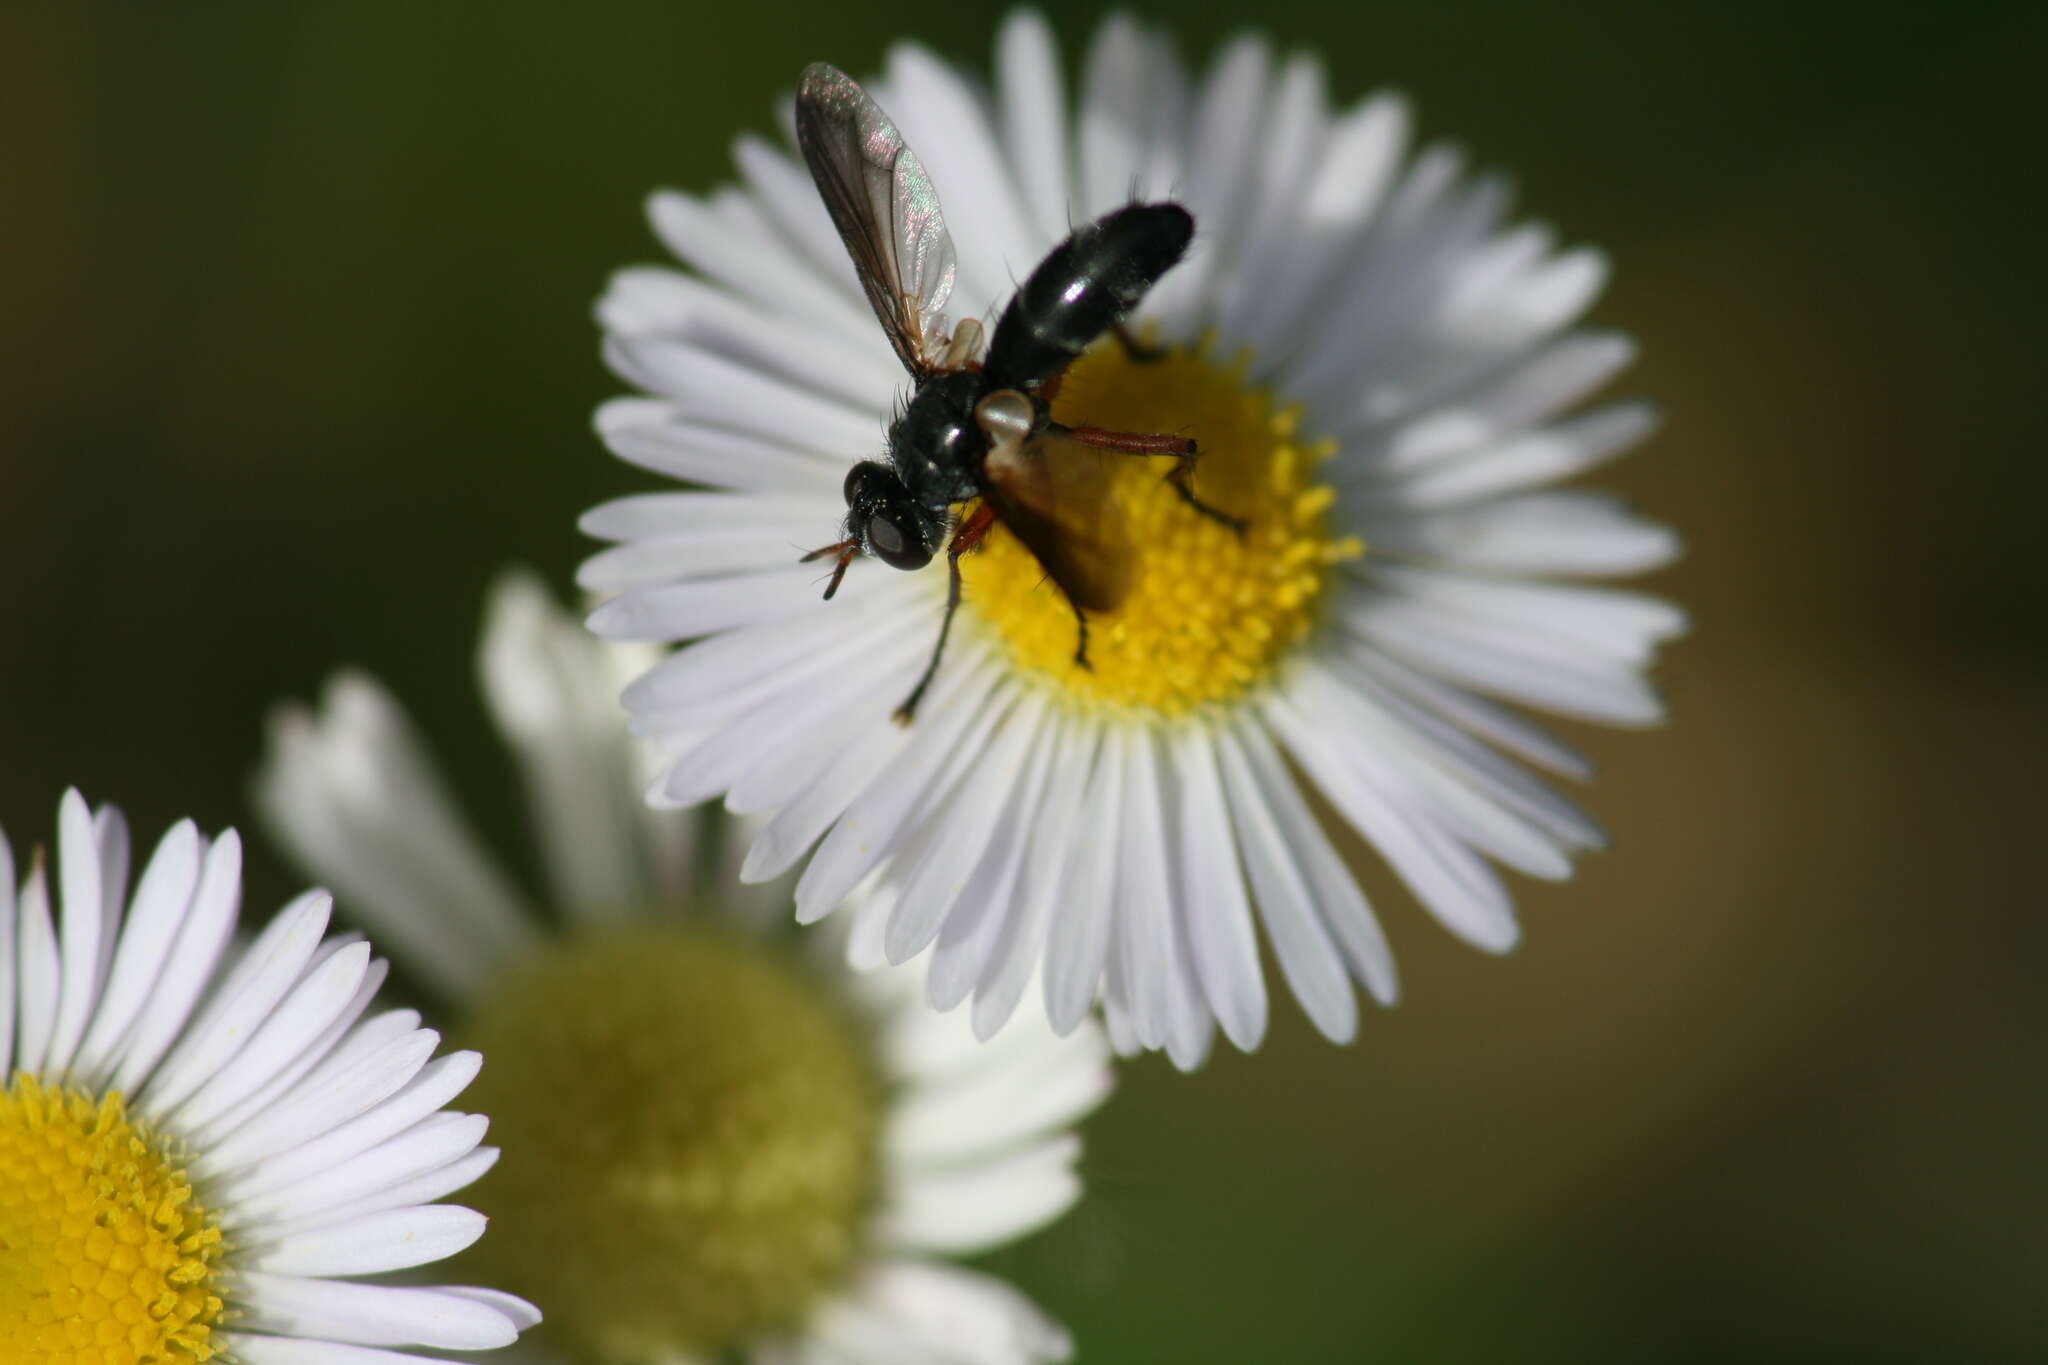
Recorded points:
(1132,443)
(1181,475)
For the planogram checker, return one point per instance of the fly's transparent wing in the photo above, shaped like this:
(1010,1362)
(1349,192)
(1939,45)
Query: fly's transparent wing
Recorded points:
(885,208)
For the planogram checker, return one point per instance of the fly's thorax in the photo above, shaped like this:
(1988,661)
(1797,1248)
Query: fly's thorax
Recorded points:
(936,446)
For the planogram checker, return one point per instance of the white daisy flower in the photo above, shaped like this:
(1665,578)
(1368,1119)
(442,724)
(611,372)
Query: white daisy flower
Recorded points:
(203,1151)
(781,1153)
(1380,367)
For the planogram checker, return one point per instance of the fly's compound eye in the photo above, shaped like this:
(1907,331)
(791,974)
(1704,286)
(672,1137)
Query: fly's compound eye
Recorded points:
(895,544)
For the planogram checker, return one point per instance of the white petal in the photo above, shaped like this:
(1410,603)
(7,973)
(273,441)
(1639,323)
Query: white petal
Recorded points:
(948,125)
(1533,533)
(793,829)
(1440,742)
(1077,940)
(946,734)
(1497,404)
(427,1147)
(521,1314)
(683,611)
(9,968)
(353,794)
(657,435)
(807,695)
(283,1033)
(1335,895)
(1133,107)
(970,934)
(720,553)
(1221,145)
(1287,902)
(321,1050)
(552,691)
(418,1102)
(1044,1086)
(1148,939)
(660,303)
(1051,858)
(968,1210)
(395,1239)
(423,1187)
(811,737)
(1494,724)
(249,1348)
(1441,782)
(162,898)
(1341,193)
(189,967)
(673,514)
(728,238)
(1520,661)
(81,928)
(785,194)
(1216,913)
(718,392)
(371,1315)
(979,1318)
(243,1001)
(934,885)
(368,1067)
(1549,455)
(1033,113)
(1446,876)
(110,833)
(1297,123)
(40,973)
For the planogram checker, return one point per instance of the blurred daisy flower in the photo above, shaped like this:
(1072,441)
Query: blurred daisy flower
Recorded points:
(203,1150)
(1381,368)
(720,1142)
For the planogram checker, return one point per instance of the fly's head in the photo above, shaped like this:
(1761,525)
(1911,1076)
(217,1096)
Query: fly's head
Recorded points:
(883,520)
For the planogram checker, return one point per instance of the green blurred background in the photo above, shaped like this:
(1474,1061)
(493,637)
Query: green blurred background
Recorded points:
(295,350)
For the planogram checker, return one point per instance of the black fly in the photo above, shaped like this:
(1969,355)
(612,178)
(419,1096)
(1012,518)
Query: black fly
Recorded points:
(980,427)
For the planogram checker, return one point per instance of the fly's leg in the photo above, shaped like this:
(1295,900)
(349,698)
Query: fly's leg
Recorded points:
(1132,443)
(966,538)
(1181,474)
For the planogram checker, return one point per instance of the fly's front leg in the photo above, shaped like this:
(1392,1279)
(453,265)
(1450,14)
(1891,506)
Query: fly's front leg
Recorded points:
(965,538)
(1183,448)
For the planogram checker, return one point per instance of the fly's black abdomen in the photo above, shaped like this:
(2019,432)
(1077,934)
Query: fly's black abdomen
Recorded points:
(1088,283)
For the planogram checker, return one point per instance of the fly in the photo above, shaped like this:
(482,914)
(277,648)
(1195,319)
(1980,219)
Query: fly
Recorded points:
(978,427)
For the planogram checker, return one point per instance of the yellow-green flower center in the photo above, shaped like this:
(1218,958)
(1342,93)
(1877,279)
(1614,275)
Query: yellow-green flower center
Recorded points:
(105,1257)
(1209,612)
(690,1129)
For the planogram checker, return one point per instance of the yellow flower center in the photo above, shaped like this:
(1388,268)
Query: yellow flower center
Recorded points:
(690,1126)
(105,1258)
(1208,612)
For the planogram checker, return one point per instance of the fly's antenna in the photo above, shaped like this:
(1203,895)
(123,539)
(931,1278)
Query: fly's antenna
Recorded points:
(846,549)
